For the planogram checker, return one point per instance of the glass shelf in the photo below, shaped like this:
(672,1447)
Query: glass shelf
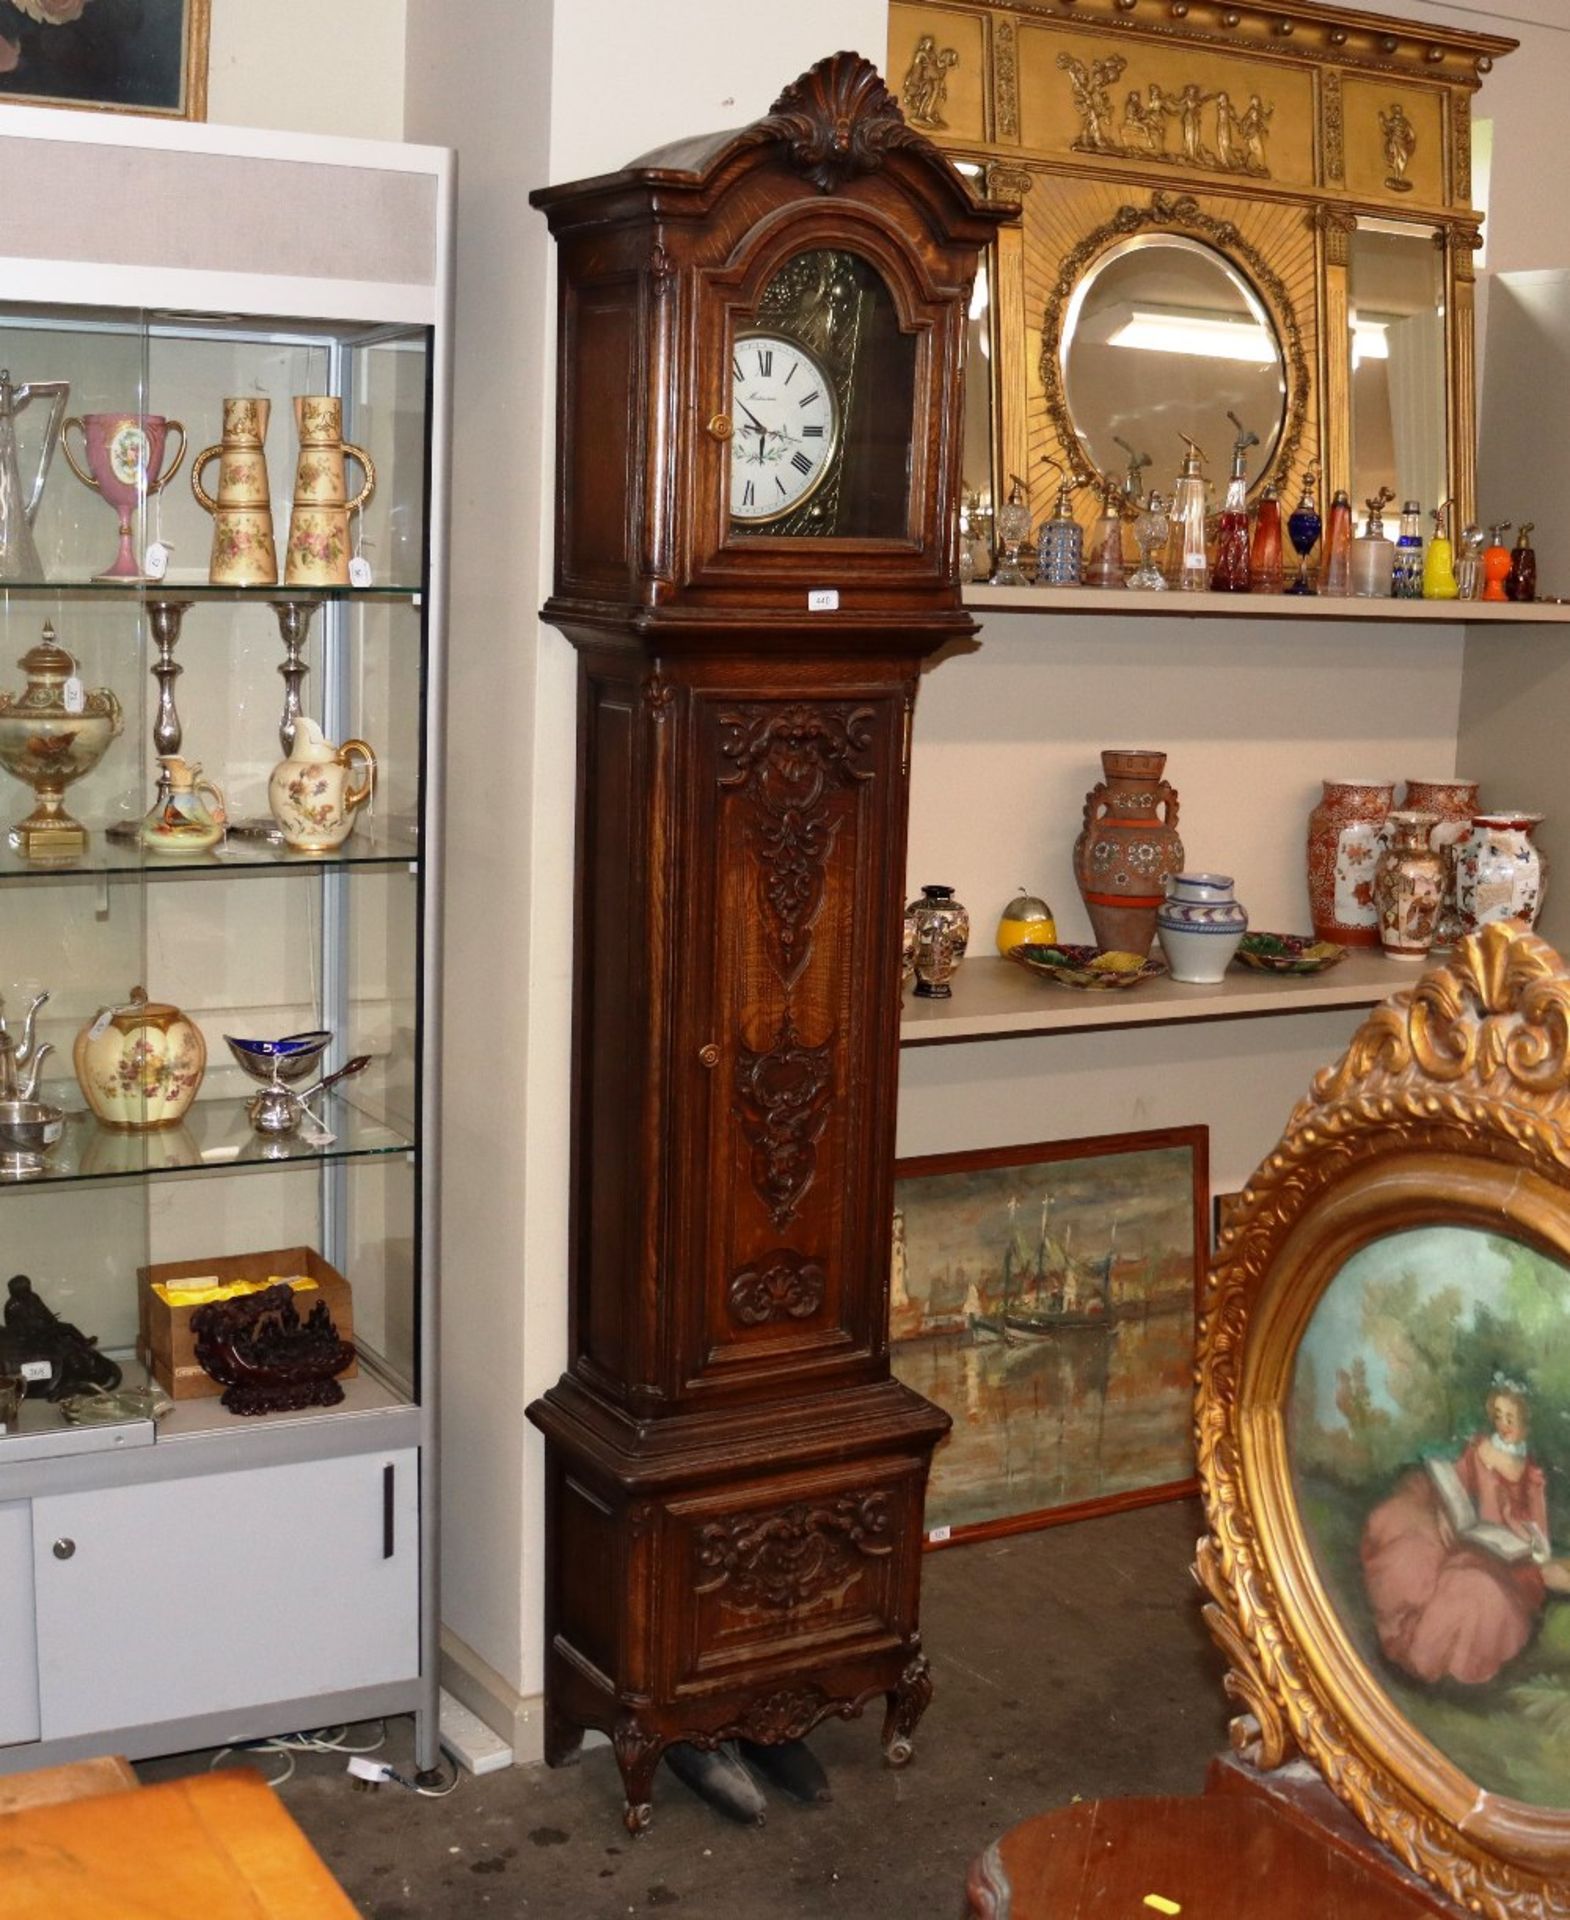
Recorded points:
(170,588)
(214,1137)
(394,844)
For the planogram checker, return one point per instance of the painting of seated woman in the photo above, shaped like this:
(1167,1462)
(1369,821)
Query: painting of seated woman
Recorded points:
(1430,1436)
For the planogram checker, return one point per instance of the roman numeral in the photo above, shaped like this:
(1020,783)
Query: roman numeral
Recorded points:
(748,495)
(795,368)
(779,483)
(801,463)
(807,399)
(765,363)
(812,433)
(735,367)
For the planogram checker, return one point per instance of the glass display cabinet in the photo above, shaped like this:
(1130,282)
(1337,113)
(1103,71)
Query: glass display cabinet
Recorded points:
(220,800)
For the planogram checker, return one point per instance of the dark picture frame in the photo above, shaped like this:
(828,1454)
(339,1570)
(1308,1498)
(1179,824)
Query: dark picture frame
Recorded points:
(115,56)
(1045,1296)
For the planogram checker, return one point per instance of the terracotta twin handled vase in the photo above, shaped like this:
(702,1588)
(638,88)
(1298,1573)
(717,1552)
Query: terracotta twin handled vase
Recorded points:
(1128,846)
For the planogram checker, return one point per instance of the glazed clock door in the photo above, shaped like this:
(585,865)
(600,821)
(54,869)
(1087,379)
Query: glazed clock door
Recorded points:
(787,1091)
(822,394)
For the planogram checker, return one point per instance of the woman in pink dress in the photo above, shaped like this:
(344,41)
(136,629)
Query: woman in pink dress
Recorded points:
(1459,1603)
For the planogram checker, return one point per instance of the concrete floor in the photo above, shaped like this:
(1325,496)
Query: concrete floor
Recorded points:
(1071,1662)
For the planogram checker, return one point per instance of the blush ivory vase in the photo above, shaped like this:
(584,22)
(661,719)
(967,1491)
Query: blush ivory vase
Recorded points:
(1128,846)
(1499,872)
(243,552)
(318,550)
(316,793)
(1345,839)
(1453,803)
(139,1065)
(1408,885)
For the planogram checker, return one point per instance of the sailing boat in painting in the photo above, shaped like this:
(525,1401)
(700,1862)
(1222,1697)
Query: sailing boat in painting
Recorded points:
(1061,1291)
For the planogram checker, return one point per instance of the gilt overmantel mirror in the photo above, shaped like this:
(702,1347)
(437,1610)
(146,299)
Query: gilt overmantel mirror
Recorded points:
(1255,211)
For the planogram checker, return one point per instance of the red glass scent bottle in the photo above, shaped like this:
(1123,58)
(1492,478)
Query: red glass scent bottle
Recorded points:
(1264,556)
(1336,581)
(1496,562)
(1230,574)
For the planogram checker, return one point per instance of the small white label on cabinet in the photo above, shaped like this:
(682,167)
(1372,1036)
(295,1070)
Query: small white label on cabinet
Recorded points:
(823,600)
(937,1535)
(72,695)
(359,571)
(155,562)
(37,1370)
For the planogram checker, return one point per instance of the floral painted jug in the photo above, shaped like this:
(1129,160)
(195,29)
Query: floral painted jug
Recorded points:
(316,792)
(244,554)
(189,815)
(318,553)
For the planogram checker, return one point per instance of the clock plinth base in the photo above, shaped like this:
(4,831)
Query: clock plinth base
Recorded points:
(779,1550)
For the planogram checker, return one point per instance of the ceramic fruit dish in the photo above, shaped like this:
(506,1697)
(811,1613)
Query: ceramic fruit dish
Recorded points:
(1087,967)
(1287,953)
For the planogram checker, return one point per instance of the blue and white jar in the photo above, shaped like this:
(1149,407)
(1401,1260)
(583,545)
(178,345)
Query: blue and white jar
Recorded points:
(1199,925)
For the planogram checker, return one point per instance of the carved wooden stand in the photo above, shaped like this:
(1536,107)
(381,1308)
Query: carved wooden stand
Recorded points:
(735,1483)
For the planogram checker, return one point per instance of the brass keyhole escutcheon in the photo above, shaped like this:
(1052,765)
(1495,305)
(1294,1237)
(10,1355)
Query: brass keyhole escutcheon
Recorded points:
(720,426)
(709,1056)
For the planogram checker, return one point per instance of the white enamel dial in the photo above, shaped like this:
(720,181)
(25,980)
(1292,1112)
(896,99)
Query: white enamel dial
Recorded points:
(784,427)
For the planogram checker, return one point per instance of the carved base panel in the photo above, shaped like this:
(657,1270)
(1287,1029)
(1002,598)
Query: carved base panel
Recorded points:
(704,1592)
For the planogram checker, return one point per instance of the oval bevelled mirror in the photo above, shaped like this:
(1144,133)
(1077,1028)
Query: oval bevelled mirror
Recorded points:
(1165,336)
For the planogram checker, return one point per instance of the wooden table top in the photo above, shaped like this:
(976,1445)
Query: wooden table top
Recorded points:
(216,1847)
(1220,1857)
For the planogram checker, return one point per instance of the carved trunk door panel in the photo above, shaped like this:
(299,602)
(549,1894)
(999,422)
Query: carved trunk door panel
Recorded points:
(795,1059)
(815,1569)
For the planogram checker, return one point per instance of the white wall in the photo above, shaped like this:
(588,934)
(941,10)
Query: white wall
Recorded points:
(529,96)
(311,66)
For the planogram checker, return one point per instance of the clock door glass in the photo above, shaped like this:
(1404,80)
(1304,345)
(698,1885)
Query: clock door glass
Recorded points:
(822,399)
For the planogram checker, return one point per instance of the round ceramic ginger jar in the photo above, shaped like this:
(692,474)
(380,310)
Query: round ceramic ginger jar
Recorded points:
(139,1066)
(1345,840)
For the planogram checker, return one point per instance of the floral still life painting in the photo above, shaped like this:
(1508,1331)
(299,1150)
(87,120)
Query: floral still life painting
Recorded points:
(136,56)
(1429,1431)
(1044,1297)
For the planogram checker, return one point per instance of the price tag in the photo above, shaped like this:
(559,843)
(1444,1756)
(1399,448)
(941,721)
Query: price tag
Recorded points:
(156,562)
(823,600)
(360,571)
(37,1370)
(102,1023)
(73,696)
(318,1137)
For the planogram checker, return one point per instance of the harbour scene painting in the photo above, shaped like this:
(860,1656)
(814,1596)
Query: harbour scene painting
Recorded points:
(1044,1296)
(1429,1436)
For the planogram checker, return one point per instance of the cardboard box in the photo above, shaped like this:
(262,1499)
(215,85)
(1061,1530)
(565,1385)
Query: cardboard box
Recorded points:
(163,1342)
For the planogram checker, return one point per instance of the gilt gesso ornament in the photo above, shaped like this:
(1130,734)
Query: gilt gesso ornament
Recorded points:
(1442,1132)
(1214,130)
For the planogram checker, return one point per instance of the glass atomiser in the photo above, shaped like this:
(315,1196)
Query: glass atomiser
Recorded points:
(1189,568)
(1497,562)
(1469,566)
(1060,541)
(1230,573)
(1013,527)
(1151,529)
(1335,579)
(1439,579)
(1406,578)
(1264,553)
(1104,549)
(1374,553)
(1521,582)
(1304,527)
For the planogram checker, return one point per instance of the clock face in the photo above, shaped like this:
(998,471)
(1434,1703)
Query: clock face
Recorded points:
(785,427)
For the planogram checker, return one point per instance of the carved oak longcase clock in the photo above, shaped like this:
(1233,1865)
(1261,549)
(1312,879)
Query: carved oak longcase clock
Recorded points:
(761,340)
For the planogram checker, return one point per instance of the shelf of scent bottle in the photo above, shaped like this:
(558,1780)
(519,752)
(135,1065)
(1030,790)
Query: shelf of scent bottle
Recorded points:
(996,999)
(1258,606)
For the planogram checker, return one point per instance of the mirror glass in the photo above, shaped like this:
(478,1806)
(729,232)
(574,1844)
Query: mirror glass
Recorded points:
(1165,336)
(1397,318)
(976,470)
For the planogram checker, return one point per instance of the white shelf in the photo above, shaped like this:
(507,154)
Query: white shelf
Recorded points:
(1258,606)
(996,999)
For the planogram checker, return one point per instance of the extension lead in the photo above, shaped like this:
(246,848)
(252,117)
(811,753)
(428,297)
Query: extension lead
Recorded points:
(374,1772)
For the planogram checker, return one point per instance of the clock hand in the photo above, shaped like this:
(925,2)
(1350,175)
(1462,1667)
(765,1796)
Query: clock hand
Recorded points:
(762,429)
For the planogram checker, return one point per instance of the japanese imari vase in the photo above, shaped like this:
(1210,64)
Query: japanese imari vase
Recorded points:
(1345,840)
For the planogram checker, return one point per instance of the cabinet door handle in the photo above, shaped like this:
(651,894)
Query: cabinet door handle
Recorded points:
(389,1541)
(63,1549)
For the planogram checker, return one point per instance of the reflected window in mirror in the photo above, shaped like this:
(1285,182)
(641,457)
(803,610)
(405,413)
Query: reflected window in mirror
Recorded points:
(1165,336)
(1396,314)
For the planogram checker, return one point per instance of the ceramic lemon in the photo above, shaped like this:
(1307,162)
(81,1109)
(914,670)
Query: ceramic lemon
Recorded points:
(1026,918)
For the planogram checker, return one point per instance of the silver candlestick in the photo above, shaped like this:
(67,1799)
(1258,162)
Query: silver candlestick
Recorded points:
(164,618)
(294,622)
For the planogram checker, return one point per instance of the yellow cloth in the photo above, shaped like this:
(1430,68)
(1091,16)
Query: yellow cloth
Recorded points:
(205,1293)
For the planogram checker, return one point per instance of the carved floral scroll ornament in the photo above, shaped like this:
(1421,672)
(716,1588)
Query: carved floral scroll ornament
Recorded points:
(797,1556)
(838,120)
(1474,1060)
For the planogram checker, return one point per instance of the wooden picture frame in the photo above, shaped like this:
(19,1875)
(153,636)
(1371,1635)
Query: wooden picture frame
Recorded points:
(1387,1319)
(1044,1296)
(107,55)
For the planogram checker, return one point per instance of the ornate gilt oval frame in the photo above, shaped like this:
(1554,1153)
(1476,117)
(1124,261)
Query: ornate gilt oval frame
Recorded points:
(1180,214)
(1451,1106)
